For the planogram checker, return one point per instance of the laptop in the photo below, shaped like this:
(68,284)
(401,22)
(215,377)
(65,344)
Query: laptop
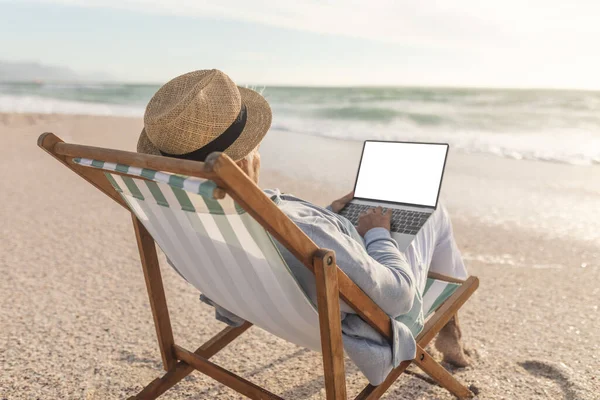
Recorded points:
(405,177)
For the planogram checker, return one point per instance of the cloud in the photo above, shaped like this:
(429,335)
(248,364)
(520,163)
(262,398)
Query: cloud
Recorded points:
(467,24)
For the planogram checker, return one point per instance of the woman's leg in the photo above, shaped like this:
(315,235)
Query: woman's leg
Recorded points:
(446,258)
(434,249)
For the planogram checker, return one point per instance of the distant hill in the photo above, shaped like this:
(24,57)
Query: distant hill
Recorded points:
(34,71)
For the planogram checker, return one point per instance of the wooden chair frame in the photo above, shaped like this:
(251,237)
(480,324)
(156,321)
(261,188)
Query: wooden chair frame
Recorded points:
(332,283)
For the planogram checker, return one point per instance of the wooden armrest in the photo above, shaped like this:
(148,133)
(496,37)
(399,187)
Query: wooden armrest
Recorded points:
(435,275)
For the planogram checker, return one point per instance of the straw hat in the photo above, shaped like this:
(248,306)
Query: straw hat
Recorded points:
(201,112)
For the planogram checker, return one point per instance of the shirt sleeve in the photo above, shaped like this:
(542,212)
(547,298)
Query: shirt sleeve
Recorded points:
(381,270)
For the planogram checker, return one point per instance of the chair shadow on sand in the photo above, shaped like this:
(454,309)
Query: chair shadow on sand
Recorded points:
(315,384)
(132,358)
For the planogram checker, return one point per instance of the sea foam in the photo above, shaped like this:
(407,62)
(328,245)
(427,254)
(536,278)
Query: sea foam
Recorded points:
(43,105)
(547,125)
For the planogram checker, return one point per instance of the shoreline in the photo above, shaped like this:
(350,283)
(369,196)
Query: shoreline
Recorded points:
(491,150)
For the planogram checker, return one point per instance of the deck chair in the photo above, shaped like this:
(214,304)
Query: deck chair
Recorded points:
(218,228)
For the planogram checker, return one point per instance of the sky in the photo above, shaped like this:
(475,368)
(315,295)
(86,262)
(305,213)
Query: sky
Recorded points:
(509,43)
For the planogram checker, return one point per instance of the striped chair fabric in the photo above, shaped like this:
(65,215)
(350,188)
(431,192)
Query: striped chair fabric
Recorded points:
(225,254)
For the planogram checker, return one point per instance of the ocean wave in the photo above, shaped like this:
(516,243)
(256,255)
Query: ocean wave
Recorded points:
(74,85)
(575,147)
(365,113)
(556,126)
(43,105)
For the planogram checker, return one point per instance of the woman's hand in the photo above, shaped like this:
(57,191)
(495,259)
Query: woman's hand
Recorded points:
(338,204)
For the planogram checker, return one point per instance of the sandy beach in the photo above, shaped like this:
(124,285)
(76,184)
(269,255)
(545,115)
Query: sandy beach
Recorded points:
(75,321)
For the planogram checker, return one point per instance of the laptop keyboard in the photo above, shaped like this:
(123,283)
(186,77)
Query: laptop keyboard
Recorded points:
(403,221)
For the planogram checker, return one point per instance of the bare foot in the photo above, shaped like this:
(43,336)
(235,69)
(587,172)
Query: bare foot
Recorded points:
(449,344)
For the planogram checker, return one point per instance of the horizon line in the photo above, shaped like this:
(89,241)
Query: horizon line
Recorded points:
(314,86)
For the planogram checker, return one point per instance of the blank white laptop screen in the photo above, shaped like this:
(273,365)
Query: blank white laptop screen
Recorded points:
(409,173)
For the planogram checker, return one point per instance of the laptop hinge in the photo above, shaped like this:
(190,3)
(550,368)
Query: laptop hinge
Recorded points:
(384,204)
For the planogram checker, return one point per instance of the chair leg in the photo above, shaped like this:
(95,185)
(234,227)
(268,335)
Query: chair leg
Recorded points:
(160,385)
(441,375)
(371,392)
(328,302)
(227,378)
(156,293)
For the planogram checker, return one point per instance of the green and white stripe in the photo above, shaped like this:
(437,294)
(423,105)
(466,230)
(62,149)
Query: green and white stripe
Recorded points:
(436,292)
(188,183)
(225,253)
(434,295)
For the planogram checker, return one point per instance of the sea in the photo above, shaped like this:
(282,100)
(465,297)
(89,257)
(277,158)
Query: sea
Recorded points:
(561,126)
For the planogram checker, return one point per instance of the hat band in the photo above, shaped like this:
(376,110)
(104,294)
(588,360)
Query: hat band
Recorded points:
(220,143)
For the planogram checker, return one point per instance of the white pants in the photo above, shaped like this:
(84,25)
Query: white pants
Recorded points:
(434,249)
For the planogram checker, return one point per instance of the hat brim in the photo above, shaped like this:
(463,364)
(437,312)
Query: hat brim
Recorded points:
(258,122)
